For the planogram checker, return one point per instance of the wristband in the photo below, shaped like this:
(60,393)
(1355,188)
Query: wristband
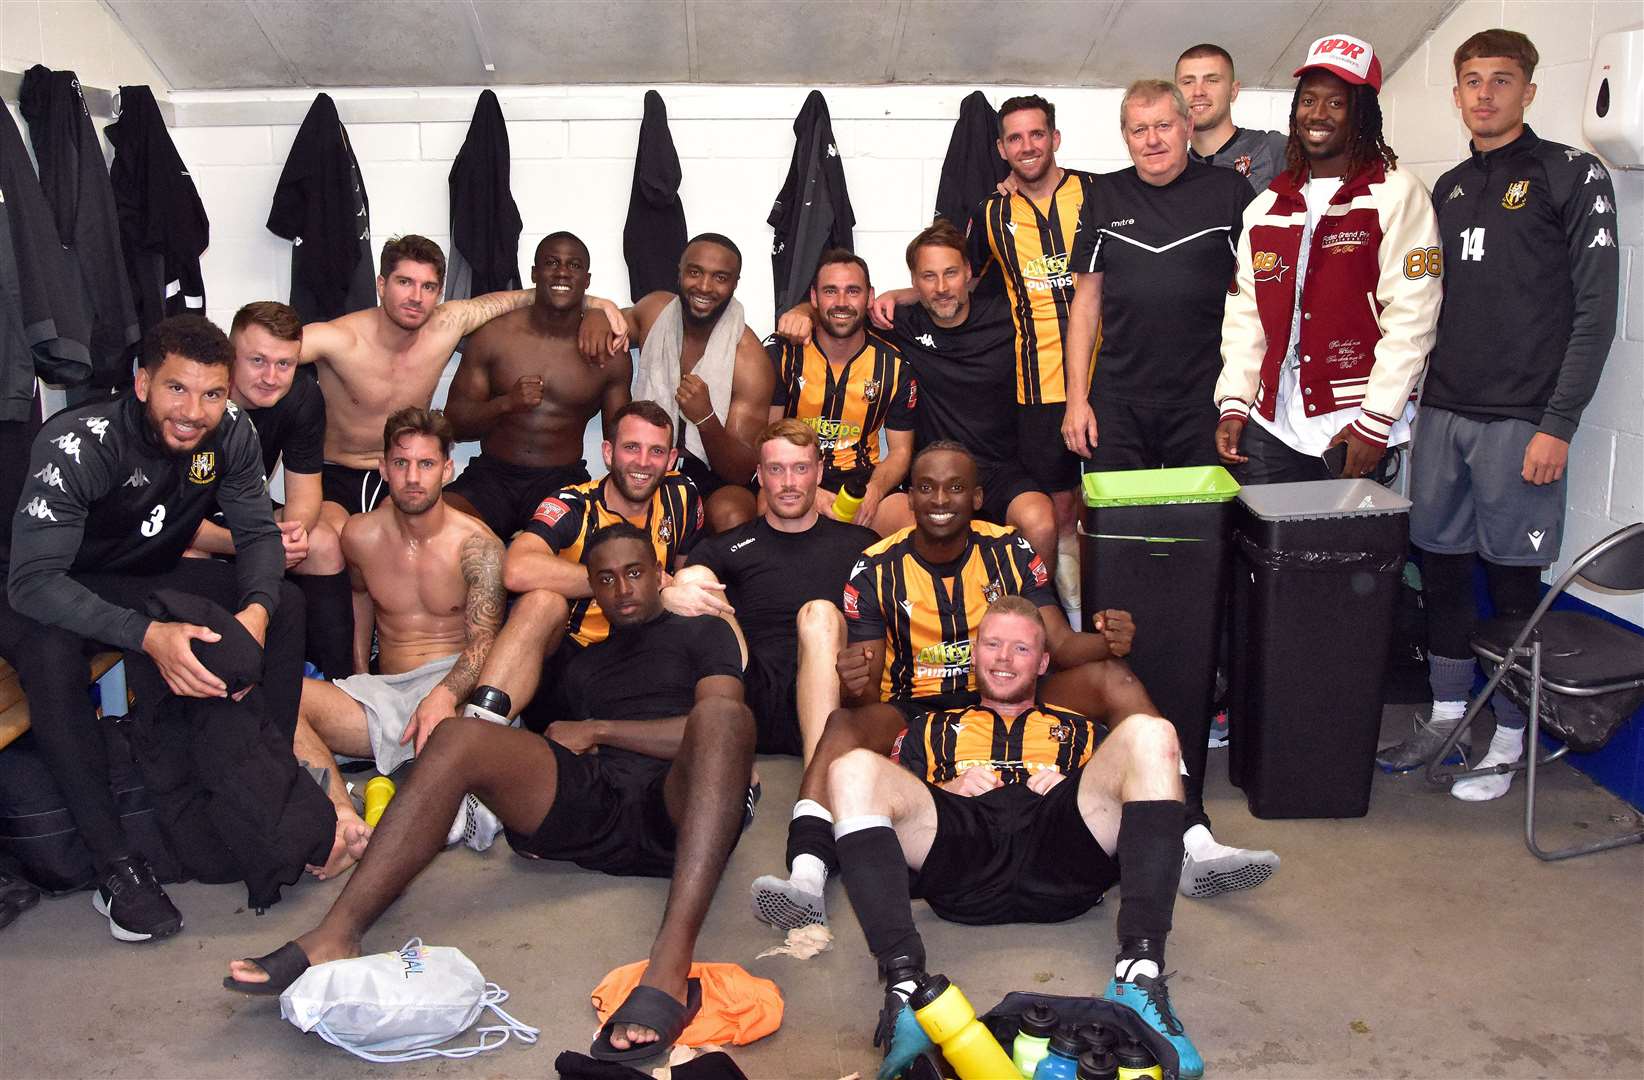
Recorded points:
(697,423)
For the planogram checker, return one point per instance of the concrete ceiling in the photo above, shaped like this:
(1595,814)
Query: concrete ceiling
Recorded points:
(240,44)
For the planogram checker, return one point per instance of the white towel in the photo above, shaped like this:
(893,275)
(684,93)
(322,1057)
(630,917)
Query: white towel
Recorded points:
(658,377)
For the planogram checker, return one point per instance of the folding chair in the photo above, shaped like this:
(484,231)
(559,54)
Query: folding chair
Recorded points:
(1578,676)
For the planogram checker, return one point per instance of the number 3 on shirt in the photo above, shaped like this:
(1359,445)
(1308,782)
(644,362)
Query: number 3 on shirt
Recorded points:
(1423,262)
(1472,244)
(156,519)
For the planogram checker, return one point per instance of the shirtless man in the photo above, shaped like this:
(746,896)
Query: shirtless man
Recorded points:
(430,581)
(371,363)
(718,423)
(524,391)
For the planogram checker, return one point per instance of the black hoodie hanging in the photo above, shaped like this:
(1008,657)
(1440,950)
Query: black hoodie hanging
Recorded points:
(813,211)
(163,224)
(76,185)
(653,238)
(973,167)
(485,222)
(320,205)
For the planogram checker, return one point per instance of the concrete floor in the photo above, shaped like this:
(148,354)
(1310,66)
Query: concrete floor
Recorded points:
(1420,941)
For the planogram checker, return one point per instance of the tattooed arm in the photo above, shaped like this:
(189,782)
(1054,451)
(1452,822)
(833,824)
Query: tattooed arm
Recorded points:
(482,619)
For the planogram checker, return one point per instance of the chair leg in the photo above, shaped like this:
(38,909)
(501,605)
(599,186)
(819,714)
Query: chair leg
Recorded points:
(1434,776)
(1534,737)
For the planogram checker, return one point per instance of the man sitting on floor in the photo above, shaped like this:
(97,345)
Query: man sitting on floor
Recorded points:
(430,580)
(663,795)
(1011,811)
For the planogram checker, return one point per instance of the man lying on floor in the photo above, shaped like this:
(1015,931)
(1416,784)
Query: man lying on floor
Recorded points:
(663,795)
(1010,811)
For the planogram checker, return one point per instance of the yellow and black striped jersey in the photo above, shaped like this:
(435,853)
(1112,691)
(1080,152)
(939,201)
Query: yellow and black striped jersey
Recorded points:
(875,389)
(1034,250)
(565,522)
(938,746)
(926,614)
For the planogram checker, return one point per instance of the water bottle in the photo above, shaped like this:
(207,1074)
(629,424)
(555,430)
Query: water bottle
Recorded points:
(1033,1038)
(1061,1062)
(1098,1065)
(849,499)
(951,1023)
(1136,1061)
(1096,1037)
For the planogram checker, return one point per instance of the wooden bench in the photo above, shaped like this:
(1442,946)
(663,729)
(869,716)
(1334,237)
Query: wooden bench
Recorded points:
(14,706)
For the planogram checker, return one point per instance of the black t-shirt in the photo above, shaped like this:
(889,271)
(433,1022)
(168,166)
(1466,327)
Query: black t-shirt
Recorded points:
(769,575)
(966,375)
(650,671)
(293,427)
(1167,256)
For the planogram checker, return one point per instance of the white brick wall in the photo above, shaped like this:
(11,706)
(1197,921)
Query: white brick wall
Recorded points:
(1606,474)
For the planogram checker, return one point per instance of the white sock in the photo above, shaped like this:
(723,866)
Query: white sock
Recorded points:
(1128,968)
(1200,844)
(809,874)
(1506,747)
(812,808)
(1448,712)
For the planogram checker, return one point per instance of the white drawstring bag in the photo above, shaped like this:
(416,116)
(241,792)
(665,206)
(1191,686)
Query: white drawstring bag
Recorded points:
(400,1006)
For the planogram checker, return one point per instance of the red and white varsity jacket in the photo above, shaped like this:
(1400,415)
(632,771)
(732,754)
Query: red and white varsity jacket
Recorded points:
(1370,304)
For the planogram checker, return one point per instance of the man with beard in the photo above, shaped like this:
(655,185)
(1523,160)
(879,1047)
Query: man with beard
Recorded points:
(1205,75)
(642,776)
(371,363)
(550,554)
(782,571)
(116,492)
(430,580)
(524,391)
(1011,811)
(849,385)
(1338,290)
(699,361)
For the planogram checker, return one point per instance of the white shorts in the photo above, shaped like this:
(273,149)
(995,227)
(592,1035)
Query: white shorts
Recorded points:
(389,702)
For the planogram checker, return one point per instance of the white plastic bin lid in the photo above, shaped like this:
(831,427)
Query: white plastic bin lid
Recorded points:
(1321,499)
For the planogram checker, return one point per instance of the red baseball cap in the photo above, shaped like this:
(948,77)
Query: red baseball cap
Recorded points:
(1347,56)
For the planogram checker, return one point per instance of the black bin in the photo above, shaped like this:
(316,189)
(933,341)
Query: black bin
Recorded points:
(1316,576)
(1156,545)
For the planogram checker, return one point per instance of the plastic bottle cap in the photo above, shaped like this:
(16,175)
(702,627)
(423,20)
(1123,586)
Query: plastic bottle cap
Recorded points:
(928,991)
(1096,1037)
(856,487)
(1133,1054)
(1066,1042)
(1039,1021)
(1098,1066)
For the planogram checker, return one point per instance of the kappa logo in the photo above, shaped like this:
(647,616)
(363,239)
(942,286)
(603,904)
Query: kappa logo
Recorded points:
(97,425)
(1595,171)
(832,151)
(1602,238)
(1517,192)
(926,340)
(203,468)
(37,508)
(138,479)
(233,410)
(1536,537)
(1571,155)
(69,444)
(1455,193)
(1602,205)
(51,476)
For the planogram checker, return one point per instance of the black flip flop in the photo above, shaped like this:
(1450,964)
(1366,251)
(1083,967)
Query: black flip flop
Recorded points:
(649,1007)
(283,965)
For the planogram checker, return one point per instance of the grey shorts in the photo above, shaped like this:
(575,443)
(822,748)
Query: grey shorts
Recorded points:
(389,701)
(1468,493)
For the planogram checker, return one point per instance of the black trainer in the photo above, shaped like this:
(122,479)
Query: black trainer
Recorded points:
(137,908)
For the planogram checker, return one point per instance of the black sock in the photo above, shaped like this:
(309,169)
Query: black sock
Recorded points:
(330,601)
(876,880)
(1150,868)
(811,835)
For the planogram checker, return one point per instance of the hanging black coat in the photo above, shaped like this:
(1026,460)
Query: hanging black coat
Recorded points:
(485,223)
(973,167)
(76,185)
(45,328)
(813,211)
(654,236)
(163,225)
(320,205)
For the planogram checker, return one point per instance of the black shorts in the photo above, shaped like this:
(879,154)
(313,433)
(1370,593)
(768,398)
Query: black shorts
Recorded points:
(911,707)
(506,495)
(1013,856)
(609,815)
(355,490)
(771,694)
(1044,454)
(1130,436)
(1002,482)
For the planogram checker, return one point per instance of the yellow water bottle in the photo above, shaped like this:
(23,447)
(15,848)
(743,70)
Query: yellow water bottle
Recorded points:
(849,499)
(1136,1062)
(951,1024)
(378,790)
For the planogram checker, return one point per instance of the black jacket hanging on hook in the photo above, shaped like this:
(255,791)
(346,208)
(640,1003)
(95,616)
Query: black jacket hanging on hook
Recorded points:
(76,185)
(163,224)
(813,211)
(654,236)
(973,167)
(485,222)
(320,205)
